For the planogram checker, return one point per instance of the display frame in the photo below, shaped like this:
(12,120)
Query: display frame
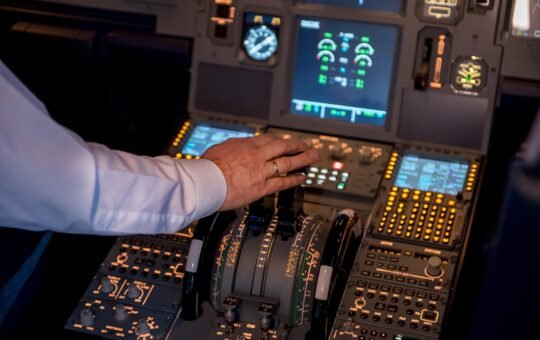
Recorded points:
(509,26)
(287,95)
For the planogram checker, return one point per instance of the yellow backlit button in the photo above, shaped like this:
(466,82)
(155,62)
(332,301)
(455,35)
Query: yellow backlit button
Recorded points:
(427,199)
(417,236)
(391,198)
(416,205)
(400,227)
(428,194)
(405,190)
(425,206)
(382,224)
(440,220)
(401,205)
(447,234)
(439,226)
(380,230)
(452,216)
(427,237)
(443,209)
(392,220)
(438,201)
(451,203)
(439,195)
(435,208)
(418,230)
(436,239)
(399,233)
(450,222)
(420,224)
(446,240)
(400,210)
(428,231)
(433,213)
(402,222)
(385,213)
(403,217)
(430,225)
(404,195)
(437,233)
(448,228)
(413,216)
(453,210)
(388,208)
(417,192)
(387,176)
(415,210)
(389,231)
(411,222)
(416,197)
(422,217)
(424,212)
(410,228)
(394,189)
(408,234)
(393,194)
(431,219)
(189,157)
(383,219)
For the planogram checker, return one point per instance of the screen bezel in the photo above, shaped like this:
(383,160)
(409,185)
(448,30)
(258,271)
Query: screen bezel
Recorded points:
(287,90)
(222,126)
(510,27)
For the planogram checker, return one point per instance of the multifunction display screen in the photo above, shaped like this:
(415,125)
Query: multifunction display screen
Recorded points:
(394,6)
(205,136)
(447,177)
(343,70)
(526,18)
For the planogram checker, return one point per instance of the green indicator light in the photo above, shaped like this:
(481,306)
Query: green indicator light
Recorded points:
(364,39)
(324,67)
(361,72)
(327,35)
(368,114)
(341,186)
(325,59)
(322,79)
(362,63)
(308,107)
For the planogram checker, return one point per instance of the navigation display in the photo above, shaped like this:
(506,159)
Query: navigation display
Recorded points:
(205,136)
(394,6)
(526,18)
(447,177)
(343,70)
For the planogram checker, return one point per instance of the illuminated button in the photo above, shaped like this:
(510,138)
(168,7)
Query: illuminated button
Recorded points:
(410,228)
(400,210)
(424,212)
(399,233)
(320,181)
(416,197)
(451,203)
(418,230)
(415,210)
(178,155)
(453,210)
(338,165)
(436,239)
(323,177)
(443,209)
(406,190)
(324,171)
(393,220)
(417,235)
(394,215)
(402,222)
(404,195)
(452,216)
(408,234)
(387,208)
(431,219)
(341,186)
(425,206)
(311,175)
(314,169)
(401,205)
(389,231)
(428,231)
(400,227)
(427,199)
(189,157)
(446,240)
(332,178)
(385,213)
(438,201)
(417,192)
(430,225)
(411,222)
(439,226)
(413,216)
(420,224)
(438,233)
(435,207)
(382,224)
(433,213)
(391,198)
(393,194)
(440,220)
(345,175)
(309,181)
(335,172)
(387,176)
(380,230)
(447,234)
(448,228)
(450,222)
(383,218)
(440,195)
(394,189)
(416,205)
(428,194)
(427,237)
(403,217)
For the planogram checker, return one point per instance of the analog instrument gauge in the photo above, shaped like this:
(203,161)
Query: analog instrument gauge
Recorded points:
(260,43)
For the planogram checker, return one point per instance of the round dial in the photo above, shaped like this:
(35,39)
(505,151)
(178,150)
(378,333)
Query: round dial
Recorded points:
(260,43)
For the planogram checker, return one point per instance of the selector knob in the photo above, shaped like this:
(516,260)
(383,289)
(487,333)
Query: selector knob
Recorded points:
(337,152)
(133,292)
(106,285)
(120,312)
(87,317)
(230,315)
(434,266)
(143,326)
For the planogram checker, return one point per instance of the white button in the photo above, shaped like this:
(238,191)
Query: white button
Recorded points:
(311,175)
(320,181)
(323,177)
(332,178)
(309,181)
(314,169)
(324,171)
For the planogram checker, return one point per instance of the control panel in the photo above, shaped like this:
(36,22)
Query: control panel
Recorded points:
(397,96)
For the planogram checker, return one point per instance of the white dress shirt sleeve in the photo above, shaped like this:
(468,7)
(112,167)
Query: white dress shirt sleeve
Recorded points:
(51,179)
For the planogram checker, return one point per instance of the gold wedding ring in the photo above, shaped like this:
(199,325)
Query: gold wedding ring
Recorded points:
(276,169)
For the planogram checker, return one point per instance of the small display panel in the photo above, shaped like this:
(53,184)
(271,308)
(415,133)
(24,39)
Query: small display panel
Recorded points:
(343,70)
(394,6)
(205,136)
(447,177)
(526,18)
(260,37)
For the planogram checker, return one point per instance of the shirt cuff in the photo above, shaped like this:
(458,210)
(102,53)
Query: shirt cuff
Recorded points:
(210,185)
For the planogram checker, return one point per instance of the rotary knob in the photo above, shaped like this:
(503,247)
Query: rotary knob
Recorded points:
(120,312)
(133,292)
(87,317)
(106,285)
(434,266)
(337,152)
(143,327)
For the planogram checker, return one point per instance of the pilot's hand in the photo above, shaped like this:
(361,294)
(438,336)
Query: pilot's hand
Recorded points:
(256,167)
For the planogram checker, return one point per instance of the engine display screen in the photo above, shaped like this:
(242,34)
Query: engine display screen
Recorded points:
(343,70)
(205,136)
(447,177)
(394,6)
(526,18)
